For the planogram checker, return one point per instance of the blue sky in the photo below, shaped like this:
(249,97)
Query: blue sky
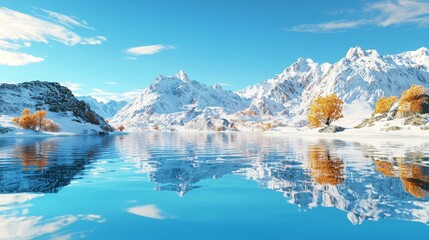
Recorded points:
(111,48)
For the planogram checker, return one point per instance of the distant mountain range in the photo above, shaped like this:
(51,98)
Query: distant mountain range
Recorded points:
(106,110)
(179,103)
(360,78)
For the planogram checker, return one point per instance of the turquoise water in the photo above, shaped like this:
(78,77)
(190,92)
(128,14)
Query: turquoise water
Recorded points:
(213,186)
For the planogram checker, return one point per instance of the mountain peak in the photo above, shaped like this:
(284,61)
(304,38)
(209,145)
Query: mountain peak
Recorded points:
(302,64)
(422,51)
(182,76)
(357,52)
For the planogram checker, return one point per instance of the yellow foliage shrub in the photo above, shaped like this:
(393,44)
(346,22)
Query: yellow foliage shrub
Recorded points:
(36,121)
(40,118)
(121,128)
(325,110)
(26,120)
(267,126)
(384,104)
(50,126)
(411,101)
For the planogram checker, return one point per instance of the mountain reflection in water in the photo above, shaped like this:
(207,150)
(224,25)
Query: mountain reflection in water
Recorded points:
(45,165)
(368,181)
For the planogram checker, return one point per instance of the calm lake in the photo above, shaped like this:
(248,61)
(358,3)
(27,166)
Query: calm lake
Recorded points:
(213,186)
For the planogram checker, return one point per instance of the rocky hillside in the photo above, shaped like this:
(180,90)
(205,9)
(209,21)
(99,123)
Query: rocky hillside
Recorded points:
(57,100)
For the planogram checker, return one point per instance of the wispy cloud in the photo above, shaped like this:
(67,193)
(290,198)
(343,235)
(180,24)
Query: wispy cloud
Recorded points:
(74,87)
(148,50)
(94,40)
(378,14)
(104,96)
(62,19)
(18,30)
(17,58)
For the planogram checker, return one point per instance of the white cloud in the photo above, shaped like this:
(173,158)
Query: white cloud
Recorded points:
(17,59)
(148,211)
(148,50)
(94,40)
(65,20)
(379,14)
(104,96)
(18,30)
(73,86)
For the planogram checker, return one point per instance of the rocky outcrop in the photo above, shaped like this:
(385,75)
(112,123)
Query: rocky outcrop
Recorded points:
(420,119)
(331,129)
(49,96)
(4,130)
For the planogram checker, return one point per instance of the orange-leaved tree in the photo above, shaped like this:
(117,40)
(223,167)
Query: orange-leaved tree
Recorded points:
(384,104)
(26,120)
(40,118)
(325,110)
(412,101)
(36,121)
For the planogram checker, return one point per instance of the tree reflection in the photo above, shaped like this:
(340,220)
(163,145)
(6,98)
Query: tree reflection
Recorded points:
(414,177)
(46,165)
(34,155)
(385,168)
(414,180)
(325,168)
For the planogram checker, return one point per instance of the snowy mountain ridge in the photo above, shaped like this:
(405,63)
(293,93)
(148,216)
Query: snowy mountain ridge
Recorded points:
(106,110)
(175,100)
(361,76)
(359,79)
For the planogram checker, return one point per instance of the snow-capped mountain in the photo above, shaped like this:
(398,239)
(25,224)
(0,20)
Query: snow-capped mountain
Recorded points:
(73,115)
(362,76)
(175,100)
(106,110)
(360,79)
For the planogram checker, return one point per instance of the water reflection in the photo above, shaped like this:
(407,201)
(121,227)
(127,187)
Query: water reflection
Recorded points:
(29,168)
(414,177)
(45,165)
(326,168)
(310,173)
(17,222)
(368,181)
(181,162)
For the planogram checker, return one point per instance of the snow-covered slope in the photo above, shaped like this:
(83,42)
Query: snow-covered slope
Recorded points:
(106,110)
(175,100)
(73,115)
(360,78)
